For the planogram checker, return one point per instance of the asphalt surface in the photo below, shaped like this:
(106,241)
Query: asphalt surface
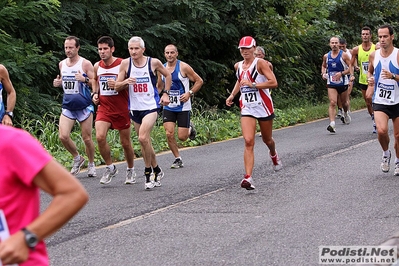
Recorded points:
(331,192)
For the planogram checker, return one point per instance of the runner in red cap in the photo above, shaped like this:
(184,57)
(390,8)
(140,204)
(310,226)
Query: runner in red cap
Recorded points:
(254,79)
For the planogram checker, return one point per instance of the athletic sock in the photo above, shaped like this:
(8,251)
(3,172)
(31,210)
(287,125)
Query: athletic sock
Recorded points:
(157,169)
(147,173)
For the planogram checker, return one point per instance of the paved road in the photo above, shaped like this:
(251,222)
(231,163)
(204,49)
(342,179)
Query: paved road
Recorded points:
(330,192)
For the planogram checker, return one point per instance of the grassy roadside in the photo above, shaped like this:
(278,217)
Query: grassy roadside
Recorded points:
(211,124)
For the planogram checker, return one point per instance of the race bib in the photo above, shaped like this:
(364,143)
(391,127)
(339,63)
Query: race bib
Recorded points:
(385,93)
(70,85)
(333,79)
(365,67)
(141,85)
(104,89)
(174,98)
(250,97)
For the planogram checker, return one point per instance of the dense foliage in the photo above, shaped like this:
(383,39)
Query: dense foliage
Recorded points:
(295,34)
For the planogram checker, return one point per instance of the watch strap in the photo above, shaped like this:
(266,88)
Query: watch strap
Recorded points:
(10,114)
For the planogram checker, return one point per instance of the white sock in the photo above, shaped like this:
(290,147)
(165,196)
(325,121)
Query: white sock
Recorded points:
(386,153)
(332,123)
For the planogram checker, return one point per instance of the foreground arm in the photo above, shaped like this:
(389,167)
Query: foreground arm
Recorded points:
(236,89)
(69,197)
(355,52)
(122,82)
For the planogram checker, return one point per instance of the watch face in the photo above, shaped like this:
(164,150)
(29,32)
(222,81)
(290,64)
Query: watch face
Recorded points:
(30,238)
(32,241)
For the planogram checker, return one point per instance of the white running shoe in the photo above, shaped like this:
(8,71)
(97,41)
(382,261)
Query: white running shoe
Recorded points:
(178,163)
(347,118)
(157,183)
(247,183)
(396,169)
(158,177)
(108,175)
(339,113)
(385,163)
(331,129)
(151,184)
(130,177)
(77,164)
(91,170)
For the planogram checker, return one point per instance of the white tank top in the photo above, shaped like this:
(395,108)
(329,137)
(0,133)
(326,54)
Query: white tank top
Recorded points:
(254,102)
(386,91)
(143,95)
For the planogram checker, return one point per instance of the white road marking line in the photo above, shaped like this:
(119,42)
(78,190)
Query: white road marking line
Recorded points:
(144,216)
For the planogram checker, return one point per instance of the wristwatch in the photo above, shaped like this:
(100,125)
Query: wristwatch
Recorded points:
(191,92)
(254,85)
(166,91)
(10,114)
(30,238)
(87,80)
(393,76)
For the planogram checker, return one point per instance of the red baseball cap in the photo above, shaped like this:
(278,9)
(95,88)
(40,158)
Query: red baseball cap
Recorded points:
(247,42)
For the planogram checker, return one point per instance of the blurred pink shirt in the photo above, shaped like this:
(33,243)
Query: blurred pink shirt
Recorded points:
(22,157)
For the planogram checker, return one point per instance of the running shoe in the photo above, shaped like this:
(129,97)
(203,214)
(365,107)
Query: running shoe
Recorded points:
(157,178)
(347,118)
(247,183)
(151,183)
(339,113)
(277,165)
(193,132)
(178,163)
(108,175)
(385,163)
(91,170)
(396,169)
(130,177)
(77,164)
(331,128)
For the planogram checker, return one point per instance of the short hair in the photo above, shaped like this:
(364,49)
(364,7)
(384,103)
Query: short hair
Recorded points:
(106,39)
(137,39)
(173,46)
(389,27)
(333,37)
(342,41)
(366,28)
(77,41)
(261,49)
